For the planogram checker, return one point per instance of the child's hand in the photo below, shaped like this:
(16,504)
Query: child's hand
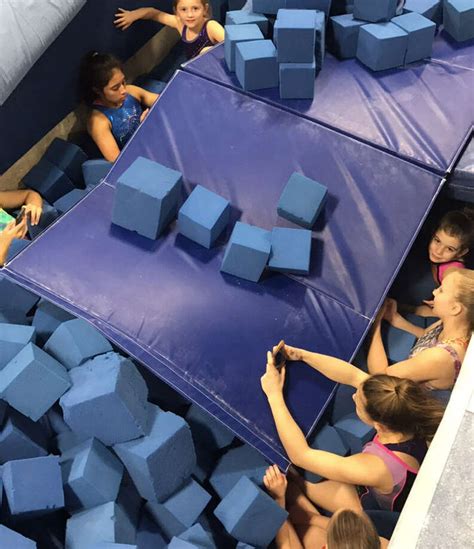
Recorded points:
(275,482)
(123,19)
(273,380)
(12,231)
(291,353)
(143,115)
(34,212)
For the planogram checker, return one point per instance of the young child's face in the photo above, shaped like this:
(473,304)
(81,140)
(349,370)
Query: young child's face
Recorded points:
(192,13)
(116,91)
(445,296)
(444,248)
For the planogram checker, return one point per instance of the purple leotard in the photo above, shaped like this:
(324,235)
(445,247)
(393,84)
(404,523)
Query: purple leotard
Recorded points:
(124,120)
(192,48)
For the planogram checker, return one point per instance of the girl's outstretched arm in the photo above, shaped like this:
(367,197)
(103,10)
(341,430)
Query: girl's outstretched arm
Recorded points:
(99,129)
(125,18)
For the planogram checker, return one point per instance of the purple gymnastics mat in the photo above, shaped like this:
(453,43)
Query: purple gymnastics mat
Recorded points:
(447,50)
(206,333)
(422,113)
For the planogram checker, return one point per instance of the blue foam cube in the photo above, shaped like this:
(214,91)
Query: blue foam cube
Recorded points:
(33,485)
(382,46)
(75,341)
(354,432)
(147,196)
(320,5)
(320,39)
(342,402)
(240,17)
(344,35)
(329,440)
(13,295)
(375,11)
(294,35)
(458,19)
(301,200)
(193,538)
(69,200)
(9,315)
(68,440)
(256,64)
(13,337)
(111,545)
(21,438)
(160,462)
(47,318)
(47,179)
(235,34)
(94,476)
(108,400)
(107,522)
(250,515)
(68,157)
(270,7)
(234,464)
(181,510)
(203,216)
(33,381)
(431,9)
(149,536)
(297,80)
(9,539)
(247,252)
(397,343)
(48,215)
(209,431)
(420,32)
(291,250)
(94,171)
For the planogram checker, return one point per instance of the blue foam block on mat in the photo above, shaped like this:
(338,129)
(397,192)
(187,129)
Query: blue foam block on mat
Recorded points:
(203,216)
(111,545)
(48,215)
(397,343)
(375,11)
(9,539)
(354,432)
(247,252)
(291,250)
(382,46)
(55,420)
(208,431)
(181,510)
(47,179)
(160,462)
(107,522)
(321,5)
(33,381)
(420,32)
(329,440)
(149,536)
(47,318)
(237,462)
(69,200)
(8,315)
(108,400)
(431,9)
(270,7)
(256,64)
(75,341)
(240,17)
(320,39)
(93,171)
(21,438)
(193,538)
(342,402)
(12,295)
(250,515)
(34,485)
(235,34)
(301,200)
(297,80)
(13,337)
(344,35)
(67,440)
(68,157)
(458,19)
(294,35)
(94,476)
(147,196)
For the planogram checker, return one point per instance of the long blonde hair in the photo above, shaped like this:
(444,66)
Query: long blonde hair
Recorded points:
(464,292)
(350,530)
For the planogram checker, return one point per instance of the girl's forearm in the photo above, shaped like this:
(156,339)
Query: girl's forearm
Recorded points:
(377,361)
(145,13)
(333,368)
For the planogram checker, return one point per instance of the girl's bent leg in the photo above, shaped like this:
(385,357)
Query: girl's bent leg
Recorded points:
(332,495)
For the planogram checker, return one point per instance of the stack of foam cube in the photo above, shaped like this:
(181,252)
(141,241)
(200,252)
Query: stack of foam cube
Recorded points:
(379,38)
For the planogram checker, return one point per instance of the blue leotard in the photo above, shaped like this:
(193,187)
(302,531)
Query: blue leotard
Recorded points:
(125,120)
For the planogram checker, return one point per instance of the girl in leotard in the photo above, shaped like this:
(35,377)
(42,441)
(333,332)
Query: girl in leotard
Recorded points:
(436,358)
(190,19)
(403,413)
(117,108)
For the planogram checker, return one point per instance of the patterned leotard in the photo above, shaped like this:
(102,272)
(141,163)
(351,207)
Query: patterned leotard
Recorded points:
(124,120)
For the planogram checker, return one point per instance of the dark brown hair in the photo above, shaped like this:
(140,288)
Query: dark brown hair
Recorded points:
(350,530)
(203,2)
(402,405)
(95,73)
(460,224)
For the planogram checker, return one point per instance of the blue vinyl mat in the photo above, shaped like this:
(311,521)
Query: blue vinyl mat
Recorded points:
(166,303)
(423,112)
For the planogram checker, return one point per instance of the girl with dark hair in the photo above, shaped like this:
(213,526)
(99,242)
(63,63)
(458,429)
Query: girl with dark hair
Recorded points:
(117,108)
(191,19)
(403,414)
